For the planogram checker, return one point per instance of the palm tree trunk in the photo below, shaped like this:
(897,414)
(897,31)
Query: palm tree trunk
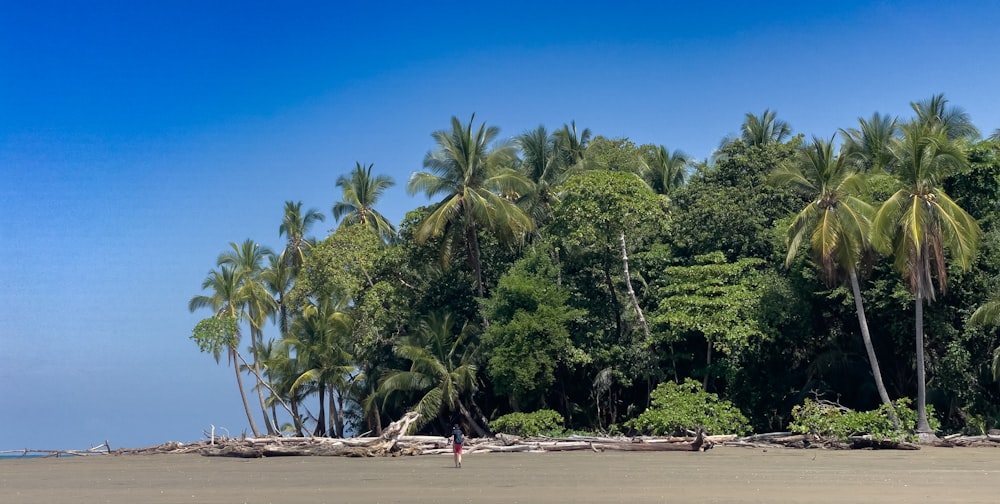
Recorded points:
(243,393)
(321,418)
(296,419)
(923,426)
(631,292)
(866,336)
(480,432)
(254,335)
(472,243)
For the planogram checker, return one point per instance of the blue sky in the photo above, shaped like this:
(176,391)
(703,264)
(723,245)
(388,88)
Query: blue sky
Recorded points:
(138,138)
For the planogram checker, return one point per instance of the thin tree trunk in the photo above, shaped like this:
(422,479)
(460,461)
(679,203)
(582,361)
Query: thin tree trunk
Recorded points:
(243,394)
(296,418)
(255,335)
(321,417)
(614,300)
(631,292)
(377,416)
(923,426)
(708,363)
(331,430)
(866,336)
(472,242)
(269,389)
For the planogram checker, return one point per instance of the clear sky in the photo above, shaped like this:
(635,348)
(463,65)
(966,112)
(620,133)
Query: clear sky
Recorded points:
(138,138)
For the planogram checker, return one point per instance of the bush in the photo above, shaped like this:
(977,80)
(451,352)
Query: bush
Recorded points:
(529,424)
(676,408)
(829,420)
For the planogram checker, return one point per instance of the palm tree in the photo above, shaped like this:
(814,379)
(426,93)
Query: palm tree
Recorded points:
(838,224)
(318,339)
(361,192)
(989,315)
(278,279)
(765,129)
(571,146)
(542,165)
(441,370)
(248,259)
(870,145)
(954,120)
(666,170)
(477,185)
(920,221)
(995,137)
(295,225)
(225,301)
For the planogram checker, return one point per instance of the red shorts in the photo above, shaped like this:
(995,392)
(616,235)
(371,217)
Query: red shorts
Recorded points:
(456,448)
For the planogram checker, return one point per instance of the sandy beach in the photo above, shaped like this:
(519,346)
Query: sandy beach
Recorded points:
(722,475)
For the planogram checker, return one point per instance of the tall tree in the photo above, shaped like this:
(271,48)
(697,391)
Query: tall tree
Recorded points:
(838,224)
(869,146)
(477,183)
(540,164)
(295,225)
(764,129)
(955,121)
(665,170)
(248,259)
(571,145)
(225,301)
(361,191)
(919,222)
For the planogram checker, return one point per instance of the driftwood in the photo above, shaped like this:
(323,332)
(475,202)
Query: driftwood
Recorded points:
(393,443)
(101,449)
(791,440)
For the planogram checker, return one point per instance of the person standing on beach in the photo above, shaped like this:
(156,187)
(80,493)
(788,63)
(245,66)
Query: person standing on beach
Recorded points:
(457,441)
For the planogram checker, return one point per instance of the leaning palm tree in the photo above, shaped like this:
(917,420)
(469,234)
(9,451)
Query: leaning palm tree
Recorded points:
(248,259)
(920,221)
(361,192)
(869,145)
(665,171)
(225,301)
(838,224)
(955,121)
(295,225)
(764,129)
(478,186)
(442,371)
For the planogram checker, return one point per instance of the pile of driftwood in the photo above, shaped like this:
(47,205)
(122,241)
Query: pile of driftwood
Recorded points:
(793,440)
(392,442)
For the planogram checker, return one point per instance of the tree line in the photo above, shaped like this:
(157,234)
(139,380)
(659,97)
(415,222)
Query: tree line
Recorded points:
(578,273)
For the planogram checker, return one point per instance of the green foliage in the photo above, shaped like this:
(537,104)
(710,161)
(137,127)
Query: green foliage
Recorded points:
(528,338)
(829,420)
(687,406)
(537,423)
(713,298)
(215,334)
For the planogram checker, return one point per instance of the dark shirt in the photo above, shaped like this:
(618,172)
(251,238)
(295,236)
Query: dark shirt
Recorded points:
(457,435)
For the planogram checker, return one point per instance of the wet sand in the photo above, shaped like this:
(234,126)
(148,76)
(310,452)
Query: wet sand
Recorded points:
(722,475)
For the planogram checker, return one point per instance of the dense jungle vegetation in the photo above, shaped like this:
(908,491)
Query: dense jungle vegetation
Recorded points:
(577,273)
